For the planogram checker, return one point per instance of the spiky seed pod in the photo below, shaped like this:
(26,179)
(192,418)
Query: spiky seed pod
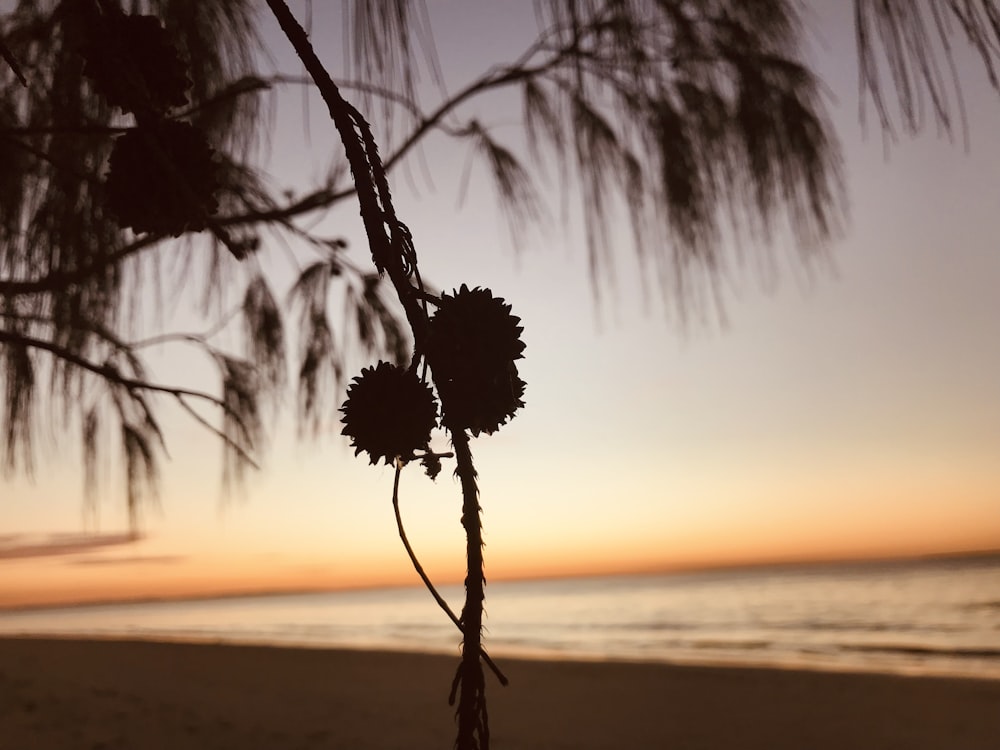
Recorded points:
(474,342)
(162,178)
(389,412)
(134,64)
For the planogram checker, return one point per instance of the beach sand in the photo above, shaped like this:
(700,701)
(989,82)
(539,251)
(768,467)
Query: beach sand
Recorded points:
(109,695)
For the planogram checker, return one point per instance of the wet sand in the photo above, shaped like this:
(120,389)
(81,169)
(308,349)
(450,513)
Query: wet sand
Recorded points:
(111,695)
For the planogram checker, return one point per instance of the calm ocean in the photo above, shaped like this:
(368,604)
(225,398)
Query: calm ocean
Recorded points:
(940,617)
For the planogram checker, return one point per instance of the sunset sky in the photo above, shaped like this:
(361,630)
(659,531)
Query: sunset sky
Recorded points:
(852,409)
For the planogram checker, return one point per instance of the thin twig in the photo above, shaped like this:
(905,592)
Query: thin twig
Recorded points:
(216,431)
(108,372)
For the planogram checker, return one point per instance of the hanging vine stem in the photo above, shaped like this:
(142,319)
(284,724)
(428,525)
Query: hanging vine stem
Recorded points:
(425,578)
(393,253)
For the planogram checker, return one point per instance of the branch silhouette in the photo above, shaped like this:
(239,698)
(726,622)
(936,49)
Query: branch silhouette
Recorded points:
(393,254)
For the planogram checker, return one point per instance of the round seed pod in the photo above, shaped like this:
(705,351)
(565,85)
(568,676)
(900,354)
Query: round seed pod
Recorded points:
(134,64)
(162,178)
(474,342)
(389,412)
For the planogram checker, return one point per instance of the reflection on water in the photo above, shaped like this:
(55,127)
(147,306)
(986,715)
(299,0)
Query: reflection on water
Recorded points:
(938,617)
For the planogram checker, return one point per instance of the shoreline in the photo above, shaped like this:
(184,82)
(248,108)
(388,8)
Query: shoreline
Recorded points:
(113,693)
(526,654)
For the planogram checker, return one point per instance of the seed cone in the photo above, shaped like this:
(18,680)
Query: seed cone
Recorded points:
(162,179)
(474,343)
(389,412)
(134,64)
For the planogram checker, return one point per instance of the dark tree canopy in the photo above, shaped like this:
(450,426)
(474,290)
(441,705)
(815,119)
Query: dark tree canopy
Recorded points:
(694,122)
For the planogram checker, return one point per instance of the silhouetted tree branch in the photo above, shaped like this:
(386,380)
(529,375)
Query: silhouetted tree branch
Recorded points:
(391,254)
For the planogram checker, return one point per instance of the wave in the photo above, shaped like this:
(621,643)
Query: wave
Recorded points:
(867,627)
(943,651)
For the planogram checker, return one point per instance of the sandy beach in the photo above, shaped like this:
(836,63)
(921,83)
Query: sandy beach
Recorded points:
(109,695)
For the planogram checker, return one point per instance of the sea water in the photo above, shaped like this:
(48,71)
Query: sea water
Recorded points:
(934,617)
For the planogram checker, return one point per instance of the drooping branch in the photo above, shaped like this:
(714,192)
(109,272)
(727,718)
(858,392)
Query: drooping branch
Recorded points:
(906,53)
(327,196)
(113,376)
(392,253)
(57,281)
(108,372)
(592,49)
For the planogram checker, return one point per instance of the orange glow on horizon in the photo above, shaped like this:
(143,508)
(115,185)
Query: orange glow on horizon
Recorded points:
(27,585)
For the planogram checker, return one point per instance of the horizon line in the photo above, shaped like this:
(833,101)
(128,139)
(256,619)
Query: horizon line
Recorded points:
(775,564)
